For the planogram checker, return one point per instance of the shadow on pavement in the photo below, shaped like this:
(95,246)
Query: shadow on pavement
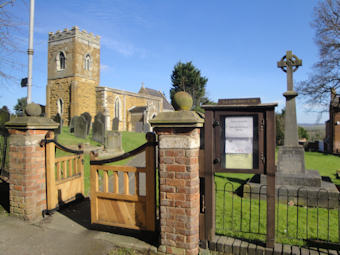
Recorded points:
(4,195)
(79,211)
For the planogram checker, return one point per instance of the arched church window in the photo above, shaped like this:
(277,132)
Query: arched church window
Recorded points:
(61,61)
(117,108)
(87,62)
(60,106)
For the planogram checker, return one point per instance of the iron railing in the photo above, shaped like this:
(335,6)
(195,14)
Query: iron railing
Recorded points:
(305,218)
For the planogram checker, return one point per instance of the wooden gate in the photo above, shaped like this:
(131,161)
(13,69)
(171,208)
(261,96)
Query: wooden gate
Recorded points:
(125,196)
(64,175)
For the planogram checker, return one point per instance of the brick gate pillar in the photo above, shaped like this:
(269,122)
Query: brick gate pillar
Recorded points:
(27,192)
(179,142)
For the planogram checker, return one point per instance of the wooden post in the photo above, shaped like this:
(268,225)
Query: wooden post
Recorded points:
(270,171)
(209,177)
(150,159)
(50,174)
(81,166)
(93,188)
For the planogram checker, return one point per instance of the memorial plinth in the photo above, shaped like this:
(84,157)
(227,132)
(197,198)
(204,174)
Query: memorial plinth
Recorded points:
(293,182)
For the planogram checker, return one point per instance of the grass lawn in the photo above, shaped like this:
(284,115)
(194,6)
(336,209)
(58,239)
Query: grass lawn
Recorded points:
(229,222)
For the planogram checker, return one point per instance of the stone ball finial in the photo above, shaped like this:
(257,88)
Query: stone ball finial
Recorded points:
(182,101)
(33,109)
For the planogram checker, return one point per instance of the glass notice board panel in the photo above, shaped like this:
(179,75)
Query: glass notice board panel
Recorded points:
(240,142)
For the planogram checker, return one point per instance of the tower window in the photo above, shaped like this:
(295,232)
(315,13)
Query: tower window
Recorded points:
(87,65)
(61,61)
(60,106)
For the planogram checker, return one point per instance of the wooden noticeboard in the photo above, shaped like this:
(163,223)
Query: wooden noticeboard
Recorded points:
(239,137)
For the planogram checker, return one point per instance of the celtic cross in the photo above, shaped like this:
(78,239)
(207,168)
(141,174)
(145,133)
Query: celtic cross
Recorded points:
(289,64)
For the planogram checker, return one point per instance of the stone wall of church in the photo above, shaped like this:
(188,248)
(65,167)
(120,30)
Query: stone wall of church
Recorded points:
(58,89)
(83,97)
(106,98)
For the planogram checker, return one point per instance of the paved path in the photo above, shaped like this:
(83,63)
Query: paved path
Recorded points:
(61,234)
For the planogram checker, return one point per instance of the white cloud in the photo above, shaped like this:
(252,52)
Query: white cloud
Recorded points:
(124,48)
(104,67)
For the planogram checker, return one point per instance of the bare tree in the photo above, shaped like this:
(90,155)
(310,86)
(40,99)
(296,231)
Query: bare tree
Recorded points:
(9,25)
(326,74)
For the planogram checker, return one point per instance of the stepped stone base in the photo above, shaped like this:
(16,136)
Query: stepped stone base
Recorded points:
(293,189)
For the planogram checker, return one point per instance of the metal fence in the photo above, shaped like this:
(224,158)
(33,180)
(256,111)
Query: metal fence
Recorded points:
(304,218)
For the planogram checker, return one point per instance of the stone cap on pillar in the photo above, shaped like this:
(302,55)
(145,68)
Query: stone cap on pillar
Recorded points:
(182,117)
(32,120)
(177,119)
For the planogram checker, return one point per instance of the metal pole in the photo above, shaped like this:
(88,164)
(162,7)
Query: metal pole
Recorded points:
(30,53)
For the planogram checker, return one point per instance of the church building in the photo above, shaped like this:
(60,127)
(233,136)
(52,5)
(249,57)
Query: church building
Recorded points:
(332,139)
(73,85)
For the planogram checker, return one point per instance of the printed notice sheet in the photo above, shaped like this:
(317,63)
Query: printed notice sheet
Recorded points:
(239,142)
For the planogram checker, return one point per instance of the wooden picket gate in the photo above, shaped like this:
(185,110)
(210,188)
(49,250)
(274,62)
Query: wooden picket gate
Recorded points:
(125,196)
(64,175)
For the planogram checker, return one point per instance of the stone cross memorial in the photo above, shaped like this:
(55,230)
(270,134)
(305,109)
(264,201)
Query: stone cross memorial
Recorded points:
(291,155)
(291,172)
(291,163)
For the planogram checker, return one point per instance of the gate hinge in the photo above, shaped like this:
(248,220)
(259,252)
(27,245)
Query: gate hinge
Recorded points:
(263,123)
(216,123)
(203,204)
(263,158)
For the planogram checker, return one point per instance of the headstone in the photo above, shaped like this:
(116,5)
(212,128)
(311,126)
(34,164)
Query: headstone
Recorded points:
(100,116)
(4,115)
(59,120)
(98,131)
(139,127)
(71,126)
(80,126)
(113,141)
(88,119)
(115,124)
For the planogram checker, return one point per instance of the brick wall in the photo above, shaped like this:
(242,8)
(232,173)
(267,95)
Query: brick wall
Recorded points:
(27,173)
(179,190)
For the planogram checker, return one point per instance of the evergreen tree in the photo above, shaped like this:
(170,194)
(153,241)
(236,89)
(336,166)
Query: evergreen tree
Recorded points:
(186,77)
(19,108)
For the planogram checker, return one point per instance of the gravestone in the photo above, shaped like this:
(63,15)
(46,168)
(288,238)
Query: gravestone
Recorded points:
(115,124)
(80,126)
(59,120)
(139,127)
(71,126)
(113,141)
(98,131)
(88,119)
(100,116)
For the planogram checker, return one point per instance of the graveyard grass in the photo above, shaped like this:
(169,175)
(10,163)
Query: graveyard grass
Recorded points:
(231,223)
(130,141)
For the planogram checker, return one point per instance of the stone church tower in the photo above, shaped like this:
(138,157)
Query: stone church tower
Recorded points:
(73,73)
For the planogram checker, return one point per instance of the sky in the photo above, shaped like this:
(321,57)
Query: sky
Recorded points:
(235,44)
